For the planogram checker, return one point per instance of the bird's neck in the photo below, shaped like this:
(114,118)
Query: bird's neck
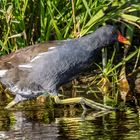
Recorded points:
(93,42)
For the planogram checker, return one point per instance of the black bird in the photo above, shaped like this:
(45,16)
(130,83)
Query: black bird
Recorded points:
(34,70)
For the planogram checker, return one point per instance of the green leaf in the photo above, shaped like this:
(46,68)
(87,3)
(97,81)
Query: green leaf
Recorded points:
(130,18)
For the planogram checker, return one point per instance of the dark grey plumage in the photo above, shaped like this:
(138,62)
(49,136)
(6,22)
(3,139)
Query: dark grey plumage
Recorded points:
(49,70)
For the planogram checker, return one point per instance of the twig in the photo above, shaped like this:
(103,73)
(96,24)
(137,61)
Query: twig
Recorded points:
(73,16)
(134,72)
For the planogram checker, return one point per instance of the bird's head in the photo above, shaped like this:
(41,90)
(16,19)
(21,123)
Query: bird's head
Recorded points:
(122,39)
(109,34)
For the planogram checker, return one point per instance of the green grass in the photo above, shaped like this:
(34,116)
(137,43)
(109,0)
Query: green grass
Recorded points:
(28,22)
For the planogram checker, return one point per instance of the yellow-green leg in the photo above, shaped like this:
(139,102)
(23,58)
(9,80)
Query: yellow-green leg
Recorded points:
(11,104)
(16,100)
(82,101)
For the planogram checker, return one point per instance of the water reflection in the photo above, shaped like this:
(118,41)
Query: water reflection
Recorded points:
(66,123)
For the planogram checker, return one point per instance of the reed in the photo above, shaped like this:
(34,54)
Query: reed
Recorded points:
(28,22)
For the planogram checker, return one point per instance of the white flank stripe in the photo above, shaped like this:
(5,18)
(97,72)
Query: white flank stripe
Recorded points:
(38,56)
(44,53)
(3,72)
(35,58)
(25,66)
(51,48)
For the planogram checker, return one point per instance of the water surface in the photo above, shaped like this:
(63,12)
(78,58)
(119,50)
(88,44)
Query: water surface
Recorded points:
(68,122)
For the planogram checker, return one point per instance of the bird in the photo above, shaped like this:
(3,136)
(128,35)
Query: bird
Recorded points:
(43,68)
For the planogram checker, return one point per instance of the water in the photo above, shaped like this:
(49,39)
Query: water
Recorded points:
(68,122)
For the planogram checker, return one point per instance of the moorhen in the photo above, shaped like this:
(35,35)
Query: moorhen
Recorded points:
(34,70)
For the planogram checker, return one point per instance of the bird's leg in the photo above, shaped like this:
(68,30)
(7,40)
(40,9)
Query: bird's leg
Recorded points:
(16,100)
(82,101)
(12,103)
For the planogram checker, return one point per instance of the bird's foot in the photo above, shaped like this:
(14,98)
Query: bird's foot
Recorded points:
(83,102)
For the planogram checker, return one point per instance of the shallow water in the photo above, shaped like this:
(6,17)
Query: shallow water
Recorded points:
(39,123)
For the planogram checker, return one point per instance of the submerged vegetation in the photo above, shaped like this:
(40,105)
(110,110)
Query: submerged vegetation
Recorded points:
(25,22)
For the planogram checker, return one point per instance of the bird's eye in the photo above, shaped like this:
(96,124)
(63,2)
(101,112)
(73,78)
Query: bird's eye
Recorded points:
(113,32)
